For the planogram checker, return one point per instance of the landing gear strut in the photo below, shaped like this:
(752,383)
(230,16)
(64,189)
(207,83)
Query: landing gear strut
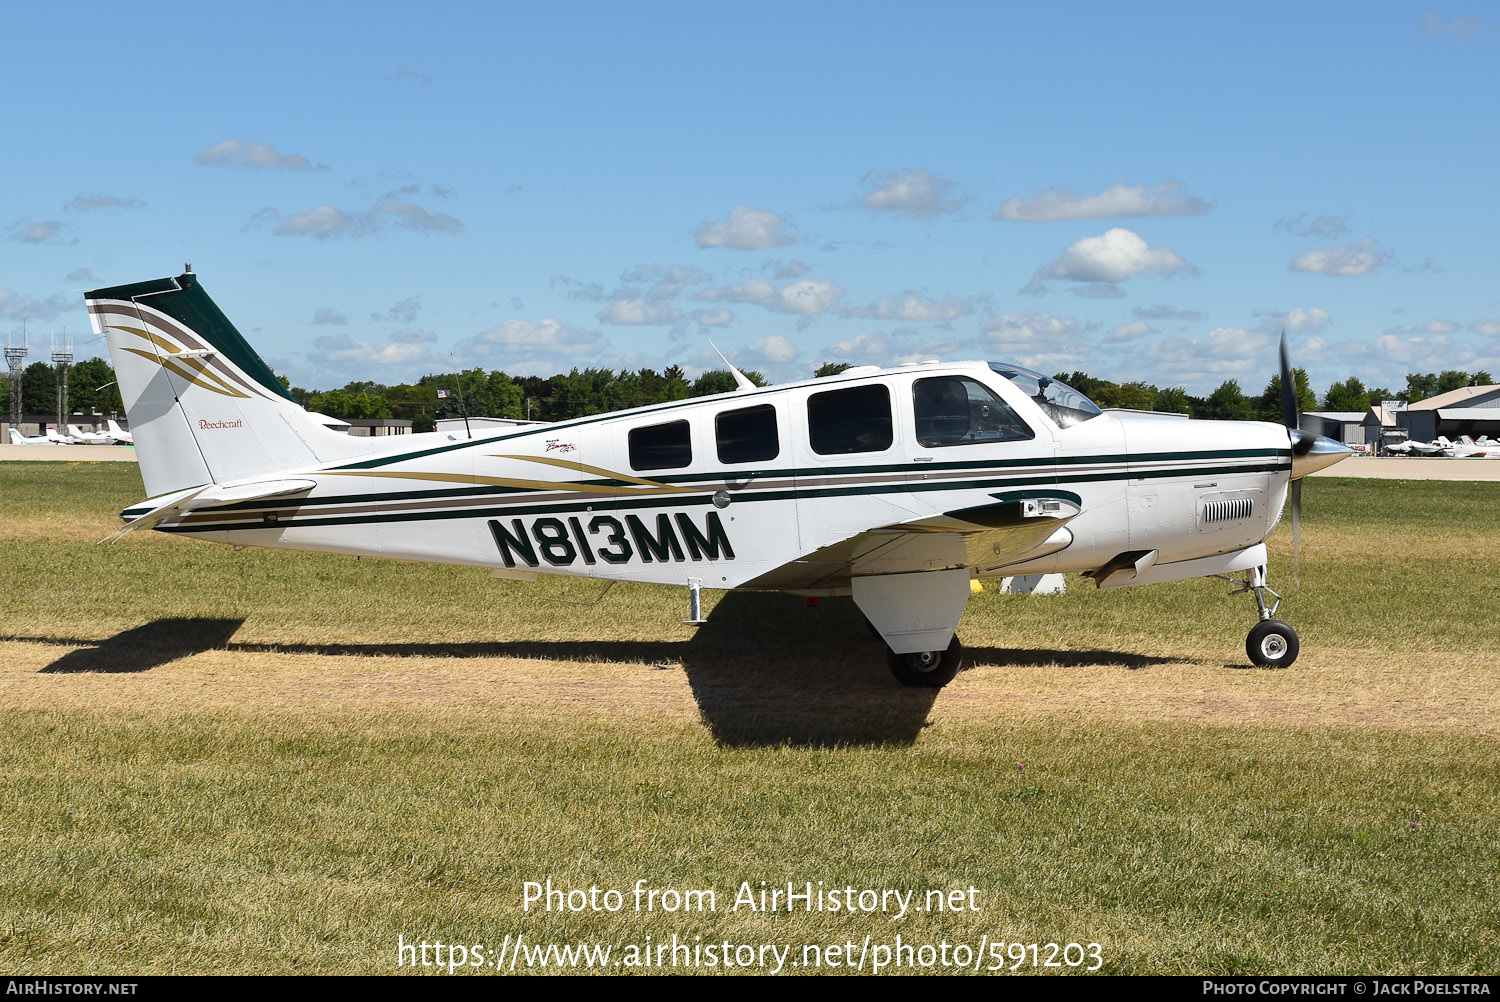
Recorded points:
(928,669)
(1271,643)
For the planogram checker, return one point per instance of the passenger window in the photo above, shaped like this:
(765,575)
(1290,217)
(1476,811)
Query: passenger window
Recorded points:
(661,446)
(854,420)
(953,410)
(747,435)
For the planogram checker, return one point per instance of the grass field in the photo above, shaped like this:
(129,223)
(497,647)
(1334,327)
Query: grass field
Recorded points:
(247,761)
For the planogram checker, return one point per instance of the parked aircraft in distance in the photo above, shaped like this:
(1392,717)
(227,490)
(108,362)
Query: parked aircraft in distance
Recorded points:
(16,438)
(90,437)
(119,434)
(896,486)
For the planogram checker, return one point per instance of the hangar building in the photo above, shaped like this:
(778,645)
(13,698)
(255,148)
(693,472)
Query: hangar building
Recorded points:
(1468,410)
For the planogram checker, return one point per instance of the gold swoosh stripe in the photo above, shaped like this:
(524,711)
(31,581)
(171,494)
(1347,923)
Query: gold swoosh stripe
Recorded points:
(171,366)
(469,478)
(196,364)
(595,470)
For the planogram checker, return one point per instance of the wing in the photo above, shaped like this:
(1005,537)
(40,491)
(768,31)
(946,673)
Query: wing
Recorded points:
(1016,526)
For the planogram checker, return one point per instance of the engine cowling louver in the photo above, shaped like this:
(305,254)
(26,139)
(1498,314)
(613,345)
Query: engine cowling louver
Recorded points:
(1227,510)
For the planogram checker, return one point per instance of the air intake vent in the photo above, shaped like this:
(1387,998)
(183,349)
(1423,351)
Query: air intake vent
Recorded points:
(1227,510)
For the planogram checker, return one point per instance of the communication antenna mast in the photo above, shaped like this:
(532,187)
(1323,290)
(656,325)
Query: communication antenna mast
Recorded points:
(62,358)
(15,355)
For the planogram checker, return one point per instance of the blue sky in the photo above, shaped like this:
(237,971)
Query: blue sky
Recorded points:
(1142,191)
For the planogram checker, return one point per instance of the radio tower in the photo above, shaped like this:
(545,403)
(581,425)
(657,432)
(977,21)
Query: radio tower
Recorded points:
(14,356)
(62,358)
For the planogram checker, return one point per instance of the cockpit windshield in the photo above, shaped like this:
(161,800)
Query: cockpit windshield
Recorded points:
(1058,400)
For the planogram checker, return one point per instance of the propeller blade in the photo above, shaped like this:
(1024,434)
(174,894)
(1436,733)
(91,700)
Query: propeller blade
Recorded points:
(1297,532)
(1288,389)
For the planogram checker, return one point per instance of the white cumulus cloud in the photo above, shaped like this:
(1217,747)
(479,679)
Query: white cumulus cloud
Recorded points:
(745,229)
(15,306)
(1344,261)
(1026,332)
(914,191)
(325,222)
(912,307)
(808,297)
(638,311)
(523,338)
(776,349)
(1225,352)
(1114,256)
(253,154)
(713,318)
(35,231)
(1129,332)
(88,203)
(1118,201)
(1485,326)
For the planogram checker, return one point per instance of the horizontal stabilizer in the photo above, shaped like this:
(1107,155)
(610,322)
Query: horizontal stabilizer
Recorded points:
(209,496)
(213,495)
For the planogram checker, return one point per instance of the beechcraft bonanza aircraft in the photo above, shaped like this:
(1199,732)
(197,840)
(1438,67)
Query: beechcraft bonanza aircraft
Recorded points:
(896,486)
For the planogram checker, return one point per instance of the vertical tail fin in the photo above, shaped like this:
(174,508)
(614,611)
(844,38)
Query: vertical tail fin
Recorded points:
(203,407)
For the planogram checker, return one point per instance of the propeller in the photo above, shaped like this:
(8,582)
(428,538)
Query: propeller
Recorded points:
(1309,453)
(1301,445)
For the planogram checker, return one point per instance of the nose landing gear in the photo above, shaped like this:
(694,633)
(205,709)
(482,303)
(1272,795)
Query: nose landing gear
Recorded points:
(1271,643)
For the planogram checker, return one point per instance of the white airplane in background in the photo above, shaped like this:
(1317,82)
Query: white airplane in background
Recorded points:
(58,438)
(90,437)
(896,486)
(119,434)
(16,438)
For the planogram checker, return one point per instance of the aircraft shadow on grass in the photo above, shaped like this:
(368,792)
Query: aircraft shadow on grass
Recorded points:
(763,670)
(145,647)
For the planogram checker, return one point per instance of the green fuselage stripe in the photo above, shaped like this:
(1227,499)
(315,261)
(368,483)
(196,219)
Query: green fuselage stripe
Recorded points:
(697,500)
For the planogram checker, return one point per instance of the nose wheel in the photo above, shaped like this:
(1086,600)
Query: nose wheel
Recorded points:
(1271,643)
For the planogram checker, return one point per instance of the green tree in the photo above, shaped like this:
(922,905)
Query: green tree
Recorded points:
(1227,403)
(409,401)
(1350,395)
(722,381)
(1268,407)
(676,384)
(1172,400)
(1419,386)
(39,388)
(91,390)
(1452,379)
(831,369)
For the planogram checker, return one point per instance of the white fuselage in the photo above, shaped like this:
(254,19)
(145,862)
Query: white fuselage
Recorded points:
(583,497)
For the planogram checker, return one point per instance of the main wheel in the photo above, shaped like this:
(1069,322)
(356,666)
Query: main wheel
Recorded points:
(928,669)
(1272,644)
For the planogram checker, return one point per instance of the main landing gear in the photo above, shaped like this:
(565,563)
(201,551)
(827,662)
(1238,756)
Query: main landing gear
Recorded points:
(1271,643)
(927,669)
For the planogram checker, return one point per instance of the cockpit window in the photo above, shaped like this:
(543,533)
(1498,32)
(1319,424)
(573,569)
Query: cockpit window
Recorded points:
(953,410)
(1059,401)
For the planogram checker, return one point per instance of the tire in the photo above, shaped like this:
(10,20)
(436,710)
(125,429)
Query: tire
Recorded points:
(1272,644)
(927,670)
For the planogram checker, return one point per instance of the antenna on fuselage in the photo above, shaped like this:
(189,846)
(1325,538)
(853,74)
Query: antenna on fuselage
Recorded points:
(740,382)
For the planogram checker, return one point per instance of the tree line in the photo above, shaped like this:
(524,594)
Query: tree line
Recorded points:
(580,392)
(91,389)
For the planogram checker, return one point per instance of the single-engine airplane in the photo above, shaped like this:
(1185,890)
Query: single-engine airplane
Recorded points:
(897,486)
(120,435)
(16,438)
